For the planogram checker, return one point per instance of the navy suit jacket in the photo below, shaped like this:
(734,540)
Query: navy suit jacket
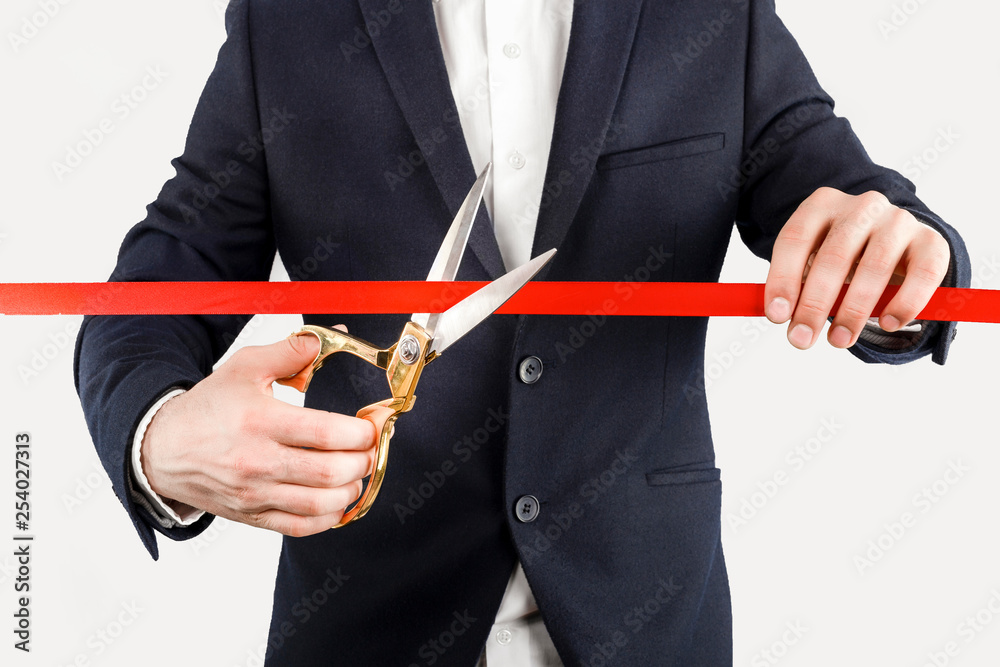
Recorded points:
(343,152)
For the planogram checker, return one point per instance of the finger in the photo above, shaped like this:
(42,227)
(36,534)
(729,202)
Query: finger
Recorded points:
(927,262)
(843,245)
(796,242)
(312,502)
(294,525)
(305,427)
(868,282)
(322,469)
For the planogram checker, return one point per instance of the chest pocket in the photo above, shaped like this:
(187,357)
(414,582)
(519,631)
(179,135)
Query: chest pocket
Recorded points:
(671,150)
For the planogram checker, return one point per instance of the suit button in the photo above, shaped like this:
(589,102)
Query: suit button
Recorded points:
(526,509)
(530,370)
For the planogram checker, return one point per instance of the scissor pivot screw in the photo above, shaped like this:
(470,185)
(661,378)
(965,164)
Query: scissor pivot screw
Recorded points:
(409,349)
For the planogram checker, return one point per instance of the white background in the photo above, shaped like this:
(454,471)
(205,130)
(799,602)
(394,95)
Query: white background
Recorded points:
(897,430)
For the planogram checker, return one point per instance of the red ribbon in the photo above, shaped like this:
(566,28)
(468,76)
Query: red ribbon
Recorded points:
(535,298)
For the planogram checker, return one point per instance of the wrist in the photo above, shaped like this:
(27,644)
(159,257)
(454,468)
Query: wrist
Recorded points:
(146,472)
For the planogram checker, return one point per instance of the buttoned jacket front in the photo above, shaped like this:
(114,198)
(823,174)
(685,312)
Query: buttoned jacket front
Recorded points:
(328,133)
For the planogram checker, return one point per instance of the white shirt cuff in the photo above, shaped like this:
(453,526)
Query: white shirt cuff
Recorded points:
(169,517)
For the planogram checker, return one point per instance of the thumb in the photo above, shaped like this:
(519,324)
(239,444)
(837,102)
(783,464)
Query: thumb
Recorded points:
(280,360)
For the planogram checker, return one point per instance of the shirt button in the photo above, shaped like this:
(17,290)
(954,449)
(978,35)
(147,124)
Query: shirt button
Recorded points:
(511,50)
(504,637)
(530,370)
(527,509)
(516,160)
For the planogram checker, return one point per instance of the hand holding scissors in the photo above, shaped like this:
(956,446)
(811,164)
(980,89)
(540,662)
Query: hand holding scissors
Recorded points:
(422,340)
(228,447)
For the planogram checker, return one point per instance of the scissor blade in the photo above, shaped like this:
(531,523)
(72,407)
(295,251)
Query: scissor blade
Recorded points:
(473,309)
(449,255)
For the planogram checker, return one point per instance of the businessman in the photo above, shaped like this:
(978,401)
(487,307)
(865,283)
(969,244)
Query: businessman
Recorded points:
(548,502)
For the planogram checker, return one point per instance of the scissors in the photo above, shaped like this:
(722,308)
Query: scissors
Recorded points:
(422,341)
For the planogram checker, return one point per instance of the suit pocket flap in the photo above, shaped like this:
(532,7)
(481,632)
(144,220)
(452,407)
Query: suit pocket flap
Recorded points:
(683,477)
(705,143)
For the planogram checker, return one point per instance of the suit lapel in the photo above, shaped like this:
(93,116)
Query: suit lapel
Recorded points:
(599,46)
(409,50)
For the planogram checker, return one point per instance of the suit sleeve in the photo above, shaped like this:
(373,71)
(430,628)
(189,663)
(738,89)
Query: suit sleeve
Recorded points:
(210,222)
(793,144)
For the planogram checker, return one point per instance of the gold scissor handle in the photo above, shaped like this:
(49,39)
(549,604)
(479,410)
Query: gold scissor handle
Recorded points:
(332,341)
(383,416)
(402,372)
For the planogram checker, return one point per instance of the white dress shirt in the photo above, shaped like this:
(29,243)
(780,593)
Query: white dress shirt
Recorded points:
(517,48)
(505,61)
